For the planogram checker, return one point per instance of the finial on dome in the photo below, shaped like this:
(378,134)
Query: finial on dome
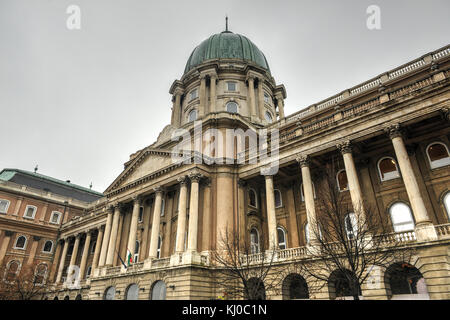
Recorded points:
(226,23)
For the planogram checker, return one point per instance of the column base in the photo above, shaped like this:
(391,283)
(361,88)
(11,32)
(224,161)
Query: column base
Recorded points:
(425,232)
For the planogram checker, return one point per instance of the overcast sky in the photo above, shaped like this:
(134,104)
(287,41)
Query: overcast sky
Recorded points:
(79,102)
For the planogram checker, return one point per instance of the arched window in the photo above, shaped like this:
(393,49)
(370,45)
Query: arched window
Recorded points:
(56,217)
(40,273)
(281,238)
(110,293)
(136,252)
(302,192)
(30,212)
(192,115)
(254,241)
(232,107)
(255,290)
(132,292)
(342,181)
(163,205)
(78,297)
(12,270)
(141,214)
(403,280)
(278,200)
(158,251)
(351,225)
(294,286)
(387,168)
(268,117)
(252,198)
(4,204)
(447,204)
(438,155)
(48,246)
(307,232)
(21,242)
(401,217)
(159,290)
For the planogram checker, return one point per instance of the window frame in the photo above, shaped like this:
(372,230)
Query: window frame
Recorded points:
(51,248)
(281,198)
(44,275)
(59,217)
(402,203)
(8,203)
(235,86)
(283,230)
(267,97)
(232,102)
(159,247)
(24,245)
(445,161)
(141,214)
(256,245)
(337,180)
(136,252)
(256,198)
(391,172)
(193,94)
(267,113)
(446,204)
(163,207)
(26,210)
(8,267)
(189,115)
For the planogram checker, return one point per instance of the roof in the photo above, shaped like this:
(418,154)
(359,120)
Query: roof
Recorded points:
(226,45)
(53,185)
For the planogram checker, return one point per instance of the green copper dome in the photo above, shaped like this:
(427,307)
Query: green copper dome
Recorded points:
(226,45)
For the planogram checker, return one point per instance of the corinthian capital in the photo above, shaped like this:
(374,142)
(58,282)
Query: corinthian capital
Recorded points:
(195,176)
(446,113)
(344,146)
(182,180)
(304,160)
(393,130)
(158,189)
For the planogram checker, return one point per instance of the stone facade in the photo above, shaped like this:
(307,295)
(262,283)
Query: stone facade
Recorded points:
(169,215)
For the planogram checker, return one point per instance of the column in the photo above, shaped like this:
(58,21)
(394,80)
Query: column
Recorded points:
(17,207)
(43,212)
(105,241)
(261,98)
(145,233)
(202,96)
(193,212)
(271,216)
(62,260)
(153,252)
(242,184)
(133,226)
(119,239)
(98,247)
(212,93)
(207,221)
(5,244)
(251,96)
(177,108)
(33,249)
(85,254)
(181,224)
(56,257)
(353,182)
(424,227)
(113,236)
(308,192)
(293,225)
(280,105)
(73,258)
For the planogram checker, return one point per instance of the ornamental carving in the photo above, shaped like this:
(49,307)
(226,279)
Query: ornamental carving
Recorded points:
(345,146)
(303,160)
(393,131)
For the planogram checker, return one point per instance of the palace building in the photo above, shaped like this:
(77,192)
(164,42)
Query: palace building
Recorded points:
(389,138)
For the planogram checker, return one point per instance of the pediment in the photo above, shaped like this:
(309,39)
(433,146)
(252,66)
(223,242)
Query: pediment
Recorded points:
(148,161)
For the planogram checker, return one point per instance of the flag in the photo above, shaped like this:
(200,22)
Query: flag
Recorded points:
(129,257)
(120,258)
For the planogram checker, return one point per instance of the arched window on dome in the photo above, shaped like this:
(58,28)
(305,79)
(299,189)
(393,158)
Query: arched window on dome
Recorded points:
(232,107)
(342,181)
(192,116)
(387,168)
(401,217)
(268,117)
(438,155)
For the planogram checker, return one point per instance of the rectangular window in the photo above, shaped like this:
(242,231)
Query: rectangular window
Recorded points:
(266,98)
(193,94)
(231,86)
(141,214)
(55,217)
(4,204)
(30,211)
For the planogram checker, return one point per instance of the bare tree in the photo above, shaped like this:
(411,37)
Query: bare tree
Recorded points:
(23,283)
(347,241)
(243,271)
